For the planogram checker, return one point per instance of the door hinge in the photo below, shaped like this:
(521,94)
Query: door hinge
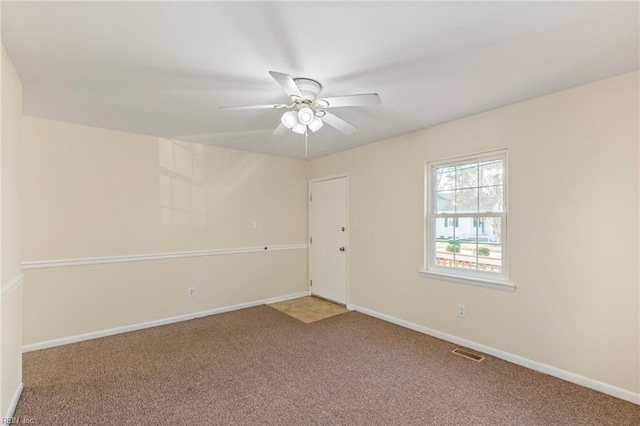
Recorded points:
(310,240)
(310,197)
(310,283)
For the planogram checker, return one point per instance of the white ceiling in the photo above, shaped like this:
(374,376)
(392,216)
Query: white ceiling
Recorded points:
(164,69)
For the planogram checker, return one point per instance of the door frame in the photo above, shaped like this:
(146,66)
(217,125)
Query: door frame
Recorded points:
(346,226)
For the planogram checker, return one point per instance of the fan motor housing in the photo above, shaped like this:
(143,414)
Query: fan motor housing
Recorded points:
(309,88)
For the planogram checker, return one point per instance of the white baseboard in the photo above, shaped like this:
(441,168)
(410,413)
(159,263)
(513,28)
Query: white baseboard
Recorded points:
(14,401)
(155,323)
(515,359)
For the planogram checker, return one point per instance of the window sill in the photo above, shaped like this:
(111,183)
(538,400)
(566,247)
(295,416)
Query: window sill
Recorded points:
(478,282)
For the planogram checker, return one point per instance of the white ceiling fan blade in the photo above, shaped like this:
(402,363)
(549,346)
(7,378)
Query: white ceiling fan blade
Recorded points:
(350,100)
(287,84)
(280,130)
(338,123)
(277,106)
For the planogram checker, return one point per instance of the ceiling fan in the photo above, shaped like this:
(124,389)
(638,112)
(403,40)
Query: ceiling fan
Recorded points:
(307,111)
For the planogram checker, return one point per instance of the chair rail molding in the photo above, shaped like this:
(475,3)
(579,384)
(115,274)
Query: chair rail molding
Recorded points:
(59,263)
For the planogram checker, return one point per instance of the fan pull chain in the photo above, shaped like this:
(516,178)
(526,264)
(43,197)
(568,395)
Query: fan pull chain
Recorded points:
(305,142)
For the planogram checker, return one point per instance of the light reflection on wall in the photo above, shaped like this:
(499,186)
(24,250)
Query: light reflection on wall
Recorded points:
(181,183)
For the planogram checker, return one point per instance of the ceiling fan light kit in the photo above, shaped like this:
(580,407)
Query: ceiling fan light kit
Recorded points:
(289,118)
(315,125)
(299,128)
(305,115)
(307,111)
(304,119)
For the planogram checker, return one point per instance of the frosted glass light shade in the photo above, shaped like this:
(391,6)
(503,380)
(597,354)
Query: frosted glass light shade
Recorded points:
(305,115)
(299,128)
(316,124)
(289,118)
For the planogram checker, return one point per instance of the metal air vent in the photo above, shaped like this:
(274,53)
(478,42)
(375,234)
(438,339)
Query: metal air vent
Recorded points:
(469,355)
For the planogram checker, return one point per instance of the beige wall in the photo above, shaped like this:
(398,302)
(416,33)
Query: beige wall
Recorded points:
(572,228)
(11,294)
(90,192)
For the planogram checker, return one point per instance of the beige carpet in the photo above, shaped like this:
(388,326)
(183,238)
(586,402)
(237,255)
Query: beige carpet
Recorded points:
(259,367)
(309,309)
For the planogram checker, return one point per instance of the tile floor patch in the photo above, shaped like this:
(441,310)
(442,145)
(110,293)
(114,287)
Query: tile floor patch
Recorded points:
(309,309)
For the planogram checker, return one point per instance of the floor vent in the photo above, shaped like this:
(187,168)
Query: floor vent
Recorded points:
(469,355)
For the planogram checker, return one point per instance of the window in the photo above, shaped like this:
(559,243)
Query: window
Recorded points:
(466,220)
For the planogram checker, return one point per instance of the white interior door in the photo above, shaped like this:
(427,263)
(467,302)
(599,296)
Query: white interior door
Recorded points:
(328,239)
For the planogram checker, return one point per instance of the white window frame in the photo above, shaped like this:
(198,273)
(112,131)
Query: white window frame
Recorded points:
(495,280)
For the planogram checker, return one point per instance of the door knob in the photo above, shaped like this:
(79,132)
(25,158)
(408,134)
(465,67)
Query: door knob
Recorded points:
(342,249)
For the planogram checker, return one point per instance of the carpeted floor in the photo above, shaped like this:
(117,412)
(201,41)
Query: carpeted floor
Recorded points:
(259,366)
(309,309)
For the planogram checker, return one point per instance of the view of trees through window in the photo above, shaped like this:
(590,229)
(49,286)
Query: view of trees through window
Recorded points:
(468,215)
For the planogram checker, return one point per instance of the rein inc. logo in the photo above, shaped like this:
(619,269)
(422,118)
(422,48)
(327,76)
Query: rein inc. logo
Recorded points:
(18,421)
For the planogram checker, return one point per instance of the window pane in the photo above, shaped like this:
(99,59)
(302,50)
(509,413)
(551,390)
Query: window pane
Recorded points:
(445,202)
(464,228)
(445,178)
(467,200)
(474,244)
(444,229)
(491,229)
(491,173)
(491,199)
(489,249)
(445,241)
(467,176)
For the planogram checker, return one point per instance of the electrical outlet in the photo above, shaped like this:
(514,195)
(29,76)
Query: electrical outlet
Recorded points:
(461,313)
(191,292)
